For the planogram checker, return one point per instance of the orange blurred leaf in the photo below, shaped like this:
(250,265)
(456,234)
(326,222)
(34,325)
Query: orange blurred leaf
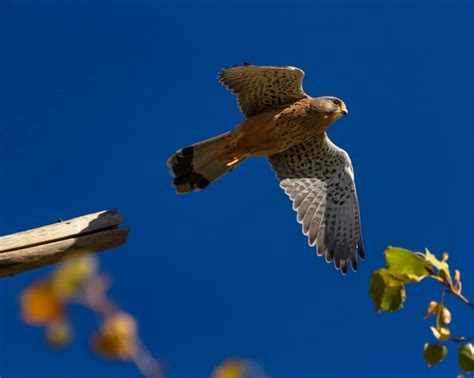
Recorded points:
(232,368)
(40,305)
(117,337)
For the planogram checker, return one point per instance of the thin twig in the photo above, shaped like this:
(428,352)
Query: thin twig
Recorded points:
(462,339)
(145,362)
(456,293)
(453,290)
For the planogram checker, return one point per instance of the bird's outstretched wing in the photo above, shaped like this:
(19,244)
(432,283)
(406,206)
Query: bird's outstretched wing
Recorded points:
(262,87)
(318,177)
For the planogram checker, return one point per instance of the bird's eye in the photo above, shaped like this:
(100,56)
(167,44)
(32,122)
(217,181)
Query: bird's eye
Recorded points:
(336,102)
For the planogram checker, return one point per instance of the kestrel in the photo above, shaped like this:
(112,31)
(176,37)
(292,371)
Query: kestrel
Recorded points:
(289,127)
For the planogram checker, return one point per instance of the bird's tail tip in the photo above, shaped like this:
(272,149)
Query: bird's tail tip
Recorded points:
(195,167)
(180,166)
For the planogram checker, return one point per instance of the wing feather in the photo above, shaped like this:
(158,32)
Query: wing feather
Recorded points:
(318,177)
(259,88)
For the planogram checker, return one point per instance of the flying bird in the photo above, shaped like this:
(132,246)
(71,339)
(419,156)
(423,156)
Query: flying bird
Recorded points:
(289,127)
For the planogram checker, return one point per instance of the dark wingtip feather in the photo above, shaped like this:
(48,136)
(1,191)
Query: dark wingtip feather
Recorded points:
(354,265)
(343,267)
(329,255)
(360,250)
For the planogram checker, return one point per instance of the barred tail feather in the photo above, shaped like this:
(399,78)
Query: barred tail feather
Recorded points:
(196,166)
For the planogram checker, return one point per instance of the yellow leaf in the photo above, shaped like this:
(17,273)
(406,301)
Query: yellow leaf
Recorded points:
(432,309)
(442,334)
(445,316)
(441,266)
(68,277)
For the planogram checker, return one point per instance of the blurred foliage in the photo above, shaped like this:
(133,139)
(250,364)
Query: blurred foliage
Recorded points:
(45,303)
(387,289)
(238,368)
(116,337)
(40,305)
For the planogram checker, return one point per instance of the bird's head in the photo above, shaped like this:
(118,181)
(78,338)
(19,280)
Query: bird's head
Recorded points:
(330,107)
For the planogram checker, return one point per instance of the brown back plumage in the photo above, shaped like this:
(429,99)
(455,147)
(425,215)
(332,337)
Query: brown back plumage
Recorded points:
(259,88)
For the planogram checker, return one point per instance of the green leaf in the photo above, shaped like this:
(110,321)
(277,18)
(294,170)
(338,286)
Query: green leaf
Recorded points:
(434,353)
(387,291)
(406,265)
(466,358)
(442,266)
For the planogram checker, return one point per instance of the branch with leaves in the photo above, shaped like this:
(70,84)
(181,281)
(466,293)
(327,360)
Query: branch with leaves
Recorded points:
(387,289)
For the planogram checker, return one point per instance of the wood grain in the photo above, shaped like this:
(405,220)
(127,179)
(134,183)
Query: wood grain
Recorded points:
(50,244)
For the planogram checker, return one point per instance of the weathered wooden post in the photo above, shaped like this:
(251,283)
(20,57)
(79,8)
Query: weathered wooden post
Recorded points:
(50,244)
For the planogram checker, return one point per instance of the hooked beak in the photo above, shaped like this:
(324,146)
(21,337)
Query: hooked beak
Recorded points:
(344,109)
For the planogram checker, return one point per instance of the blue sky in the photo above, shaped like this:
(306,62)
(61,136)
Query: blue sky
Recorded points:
(96,95)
